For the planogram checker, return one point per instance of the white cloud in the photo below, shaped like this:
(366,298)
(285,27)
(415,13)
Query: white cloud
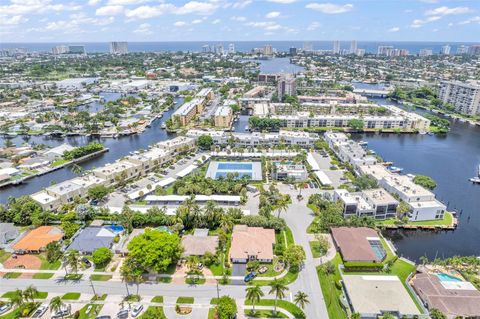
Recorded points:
(417,23)
(147,12)
(197,21)
(216,21)
(109,10)
(180,24)
(471,20)
(272,15)
(93,2)
(241,4)
(23,7)
(197,7)
(282,1)
(442,11)
(394,29)
(239,19)
(314,26)
(330,8)
(144,28)
(125,2)
(13,20)
(266,25)
(429,1)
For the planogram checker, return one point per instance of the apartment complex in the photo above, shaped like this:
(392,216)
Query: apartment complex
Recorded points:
(53,197)
(422,203)
(286,86)
(302,139)
(118,47)
(185,113)
(464,96)
(223,116)
(284,171)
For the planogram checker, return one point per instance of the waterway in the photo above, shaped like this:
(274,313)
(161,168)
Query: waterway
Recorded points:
(119,147)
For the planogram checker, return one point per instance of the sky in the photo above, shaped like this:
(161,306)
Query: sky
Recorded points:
(239,20)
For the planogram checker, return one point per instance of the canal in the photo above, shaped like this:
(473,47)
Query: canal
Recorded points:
(119,147)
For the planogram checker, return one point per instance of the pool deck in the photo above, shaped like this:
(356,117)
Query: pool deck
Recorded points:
(252,169)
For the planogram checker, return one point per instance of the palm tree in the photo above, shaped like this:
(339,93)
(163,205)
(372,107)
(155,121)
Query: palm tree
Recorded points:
(29,293)
(72,259)
(17,299)
(226,223)
(301,299)
(355,315)
(254,294)
(278,288)
(282,204)
(76,169)
(57,305)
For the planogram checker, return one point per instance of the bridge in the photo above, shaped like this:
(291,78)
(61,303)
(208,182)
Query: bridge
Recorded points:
(373,93)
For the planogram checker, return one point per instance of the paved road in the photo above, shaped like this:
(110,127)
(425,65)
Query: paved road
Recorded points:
(298,218)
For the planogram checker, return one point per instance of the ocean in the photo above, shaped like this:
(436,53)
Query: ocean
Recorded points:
(241,46)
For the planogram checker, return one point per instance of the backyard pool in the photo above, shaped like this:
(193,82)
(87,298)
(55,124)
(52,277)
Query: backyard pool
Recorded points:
(447,277)
(116,229)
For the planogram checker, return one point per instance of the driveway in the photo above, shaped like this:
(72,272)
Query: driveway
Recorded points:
(239,269)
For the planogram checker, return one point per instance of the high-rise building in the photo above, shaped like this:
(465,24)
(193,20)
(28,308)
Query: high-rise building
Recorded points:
(293,51)
(353,47)
(118,47)
(474,50)
(307,46)
(219,49)
(425,52)
(60,49)
(206,48)
(76,49)
(462,49)
(445,50)
(268,50)
(231,48)
(464,96)
(336,47)
(385,50)
(360,52)
(286,86)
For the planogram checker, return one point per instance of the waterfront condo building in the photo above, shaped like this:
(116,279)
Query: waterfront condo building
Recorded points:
(223,116)
(464,96)
(118,47)
(286,86)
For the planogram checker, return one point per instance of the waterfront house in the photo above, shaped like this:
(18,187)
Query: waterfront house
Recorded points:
(358,244)
(91,238)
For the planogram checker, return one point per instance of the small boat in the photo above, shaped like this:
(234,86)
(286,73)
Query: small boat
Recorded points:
(475,180)
(387,163)
(163,126)
(363,143)
(395,169)
(422,133)
(478,171)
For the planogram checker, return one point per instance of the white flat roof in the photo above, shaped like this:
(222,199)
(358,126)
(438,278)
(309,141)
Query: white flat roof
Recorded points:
(312,162)
(184,172)
(324,179)
(42,197)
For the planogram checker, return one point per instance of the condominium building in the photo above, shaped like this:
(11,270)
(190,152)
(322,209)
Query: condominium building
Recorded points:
(425,52)
(349,151)
(185,113)
(283,171)
(268,50)
(464,96)
(223,116)
(353,47)
(118,47)
(60,49)
(446,50)
(286,86)
(336,47)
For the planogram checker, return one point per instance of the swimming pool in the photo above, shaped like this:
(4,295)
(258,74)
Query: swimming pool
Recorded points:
(377,248)
(116,229)
(447,277)
(235,166)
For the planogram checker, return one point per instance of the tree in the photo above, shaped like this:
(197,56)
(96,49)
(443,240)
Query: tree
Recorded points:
(57,305)
(69,228)
(425,181)
(76,169)
(437,314)
(131,271)
(155,250)
(356,124)
(278,288)
(22,210)
(205,142)
(253,295)
(102,256)
(355,315)
(98,192)
(294,256)
(301,299)
(54,251)
(30,293)
(402,209)
(226,308)
(282,204)
(365,182)
(17,299)
(72,260)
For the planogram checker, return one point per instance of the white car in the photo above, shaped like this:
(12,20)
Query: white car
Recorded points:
(40,311)
(137,310)
(6,307)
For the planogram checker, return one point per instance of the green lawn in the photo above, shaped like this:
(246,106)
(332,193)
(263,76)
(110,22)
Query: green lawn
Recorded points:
(264,314)
(290,277)
(46,265)
(94,310)
(96,277)
(158,299)
(12,275)
(211,313)
(4,256)
(332,291)
(446,221)
(73,277)
(164,280)
(59,162)
(315,248)
(185,300)
(153,312)
(200,280)
(39,295)
(290,307)
(42,275)
(71,296)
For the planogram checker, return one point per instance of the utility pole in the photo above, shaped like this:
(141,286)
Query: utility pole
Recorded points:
(218,291)
(93,288)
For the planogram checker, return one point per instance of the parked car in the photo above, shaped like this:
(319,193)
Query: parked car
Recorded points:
(40,311)
(86,262)
(65,311)
(103,317)
(250,276)
(122,314)
(4,308)
(137,310)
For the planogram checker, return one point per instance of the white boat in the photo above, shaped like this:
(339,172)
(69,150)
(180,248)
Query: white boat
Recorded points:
(475,180)
(395,169)
(363,143)
(163,126)
(422,133)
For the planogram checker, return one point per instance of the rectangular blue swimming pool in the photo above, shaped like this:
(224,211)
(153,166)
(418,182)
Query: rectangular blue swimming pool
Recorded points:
(447,277)
(235,166)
